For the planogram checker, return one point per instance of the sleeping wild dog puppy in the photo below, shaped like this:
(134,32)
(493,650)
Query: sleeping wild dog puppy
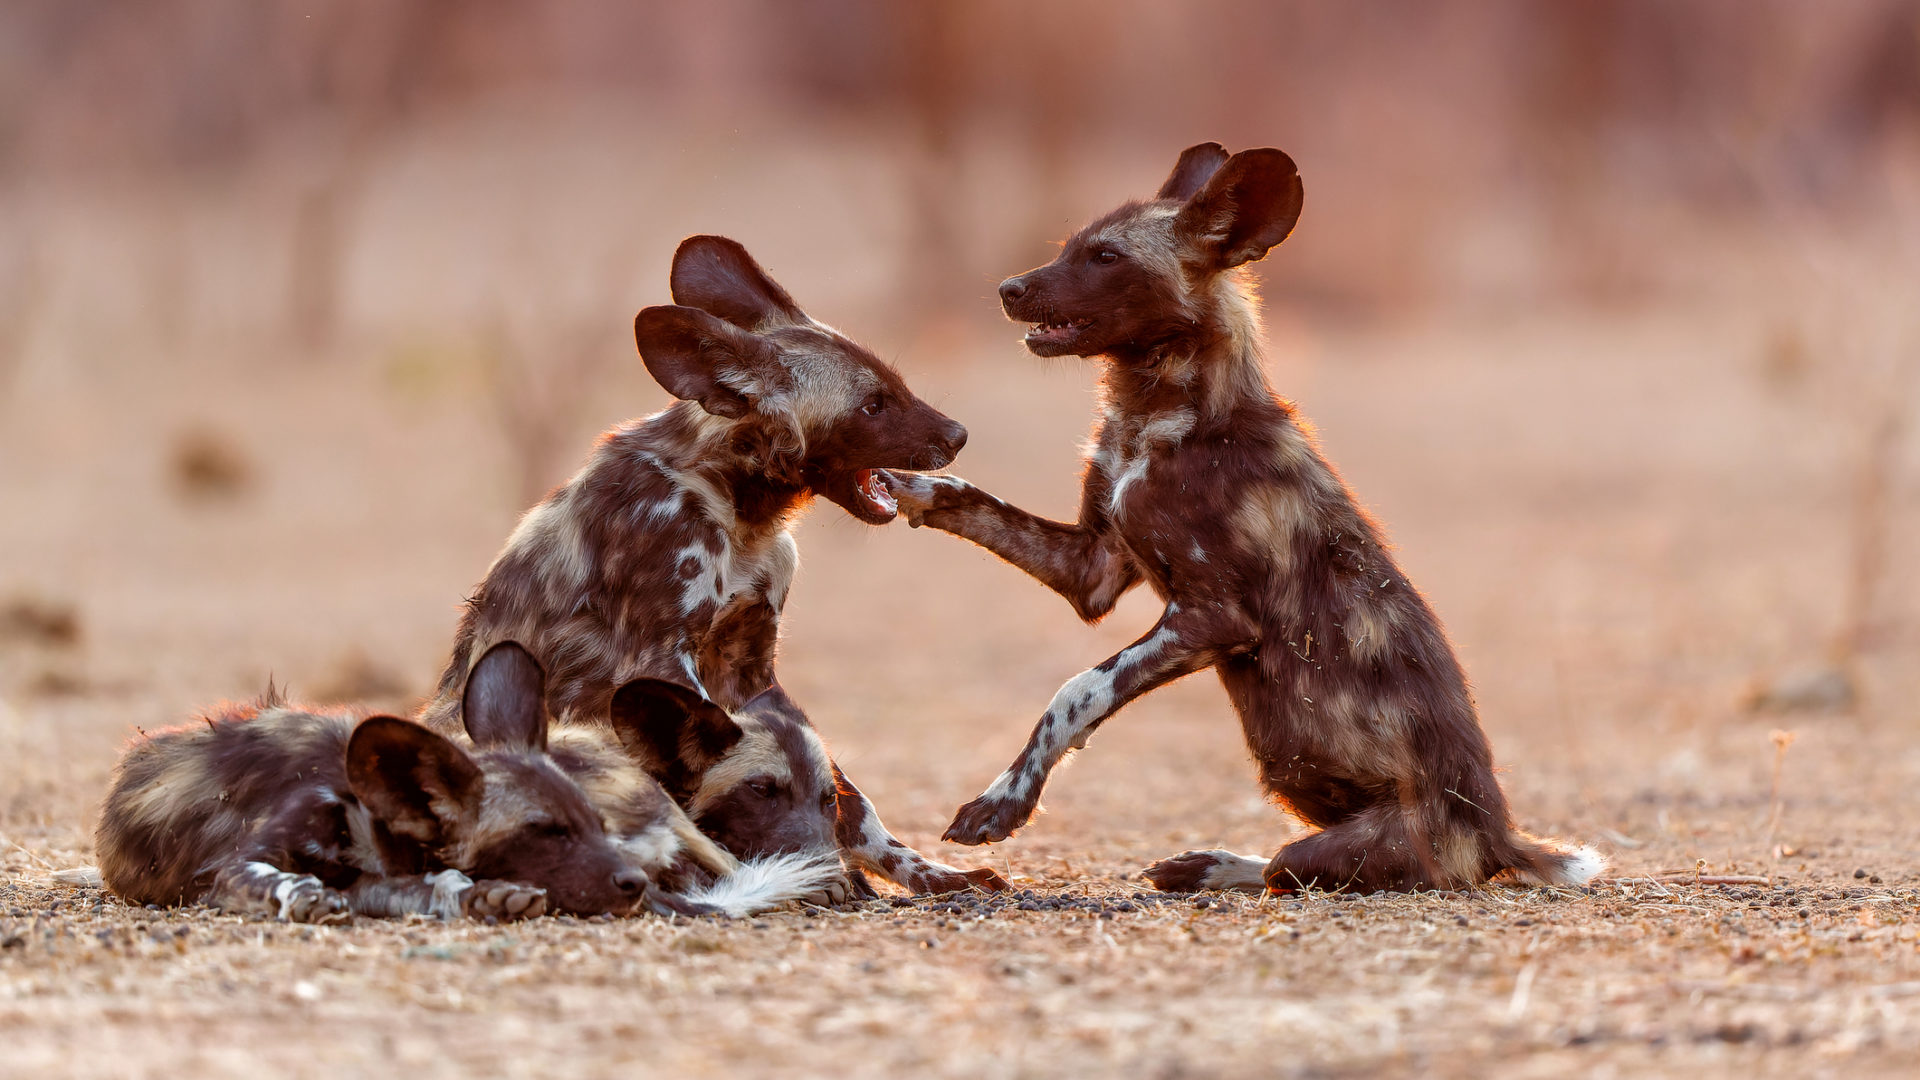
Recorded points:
(1207,486)
(669,556)
(311,817)
(734,859)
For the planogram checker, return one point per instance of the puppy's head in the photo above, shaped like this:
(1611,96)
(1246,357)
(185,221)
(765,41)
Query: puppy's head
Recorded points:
(759,782)
(1153,272)
(505,812)
(808,405)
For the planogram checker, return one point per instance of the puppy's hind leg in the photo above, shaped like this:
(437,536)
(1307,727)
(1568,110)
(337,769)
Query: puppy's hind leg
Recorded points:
(1197,871)
(1371,851)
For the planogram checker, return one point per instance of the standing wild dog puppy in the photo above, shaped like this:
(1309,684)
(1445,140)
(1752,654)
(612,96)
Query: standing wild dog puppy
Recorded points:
(1207,486)
(670,554)
(311,817)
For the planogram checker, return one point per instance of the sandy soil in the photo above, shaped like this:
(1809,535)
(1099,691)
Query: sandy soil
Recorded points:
(1622,518)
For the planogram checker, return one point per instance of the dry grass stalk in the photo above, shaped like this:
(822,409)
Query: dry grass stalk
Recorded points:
(1781,740)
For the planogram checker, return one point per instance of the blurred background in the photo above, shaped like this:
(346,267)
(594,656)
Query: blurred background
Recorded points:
(1607,309)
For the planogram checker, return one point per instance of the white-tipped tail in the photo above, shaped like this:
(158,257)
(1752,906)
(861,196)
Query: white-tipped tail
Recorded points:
(767,882)
(84,876)
(1560,864)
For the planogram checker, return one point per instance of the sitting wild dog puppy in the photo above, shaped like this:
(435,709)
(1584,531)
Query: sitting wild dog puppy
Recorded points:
(670,554)
(310,817)
(1207,486)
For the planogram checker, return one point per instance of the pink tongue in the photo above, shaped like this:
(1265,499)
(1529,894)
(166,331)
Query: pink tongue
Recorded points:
(876,494)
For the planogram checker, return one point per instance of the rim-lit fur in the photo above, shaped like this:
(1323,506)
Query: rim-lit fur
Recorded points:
(670,555)
(1203,483)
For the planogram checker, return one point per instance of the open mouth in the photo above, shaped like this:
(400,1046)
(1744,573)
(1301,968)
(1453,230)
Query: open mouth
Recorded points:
(1054,330)
(873,494)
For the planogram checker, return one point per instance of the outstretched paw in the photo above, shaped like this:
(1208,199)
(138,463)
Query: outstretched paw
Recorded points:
(987,820)
(937,879)
(506,901)
(914,493)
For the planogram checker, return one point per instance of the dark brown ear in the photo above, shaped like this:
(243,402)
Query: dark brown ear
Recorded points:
(420,784)
(672,732)
(506,700)
(698,357)
(1196,166)
(717,276)
(1244,209)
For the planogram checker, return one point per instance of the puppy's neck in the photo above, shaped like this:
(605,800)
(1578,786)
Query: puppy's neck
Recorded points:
(1212,369)
(729,457)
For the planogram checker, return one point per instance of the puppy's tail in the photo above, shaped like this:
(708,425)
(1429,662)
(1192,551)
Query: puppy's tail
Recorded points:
(768,882)
(1537,861)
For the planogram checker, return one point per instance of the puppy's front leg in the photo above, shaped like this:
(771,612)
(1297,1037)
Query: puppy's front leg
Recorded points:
(257,887)
(446,895)
(1173,648)
(869,846)
(1080,562)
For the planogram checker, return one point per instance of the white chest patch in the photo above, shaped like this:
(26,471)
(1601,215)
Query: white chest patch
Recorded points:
(1129,466)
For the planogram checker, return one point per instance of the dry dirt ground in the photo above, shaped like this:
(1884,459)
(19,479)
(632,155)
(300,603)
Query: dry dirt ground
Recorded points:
(1623,518)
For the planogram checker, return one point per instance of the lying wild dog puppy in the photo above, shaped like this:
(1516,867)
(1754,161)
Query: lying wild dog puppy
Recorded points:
(670,554)
(311,817)
(773,851)
(1207,486)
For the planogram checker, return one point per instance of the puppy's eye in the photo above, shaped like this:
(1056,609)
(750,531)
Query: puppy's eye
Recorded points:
(827,801)
(875,405)
(766,789)
(552,829)
(1107,256)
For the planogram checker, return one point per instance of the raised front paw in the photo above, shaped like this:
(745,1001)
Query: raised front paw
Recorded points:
(987,820)
(305,900)
(506,901)
(916,493)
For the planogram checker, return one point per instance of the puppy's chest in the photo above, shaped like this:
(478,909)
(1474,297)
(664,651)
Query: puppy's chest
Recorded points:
(746,579)
(1148,499)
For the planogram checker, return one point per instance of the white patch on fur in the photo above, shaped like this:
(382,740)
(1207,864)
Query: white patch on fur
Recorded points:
(449,893)
(653,849)
(768,882)
(706,584)
(1005,786)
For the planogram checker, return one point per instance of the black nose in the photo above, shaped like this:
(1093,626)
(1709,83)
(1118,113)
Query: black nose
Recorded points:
(1012,289)
(630,882)
(953,439)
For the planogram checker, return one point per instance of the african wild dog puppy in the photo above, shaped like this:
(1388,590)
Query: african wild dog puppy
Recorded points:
(670,554)
(311,817)
(1207,486)
(767,860)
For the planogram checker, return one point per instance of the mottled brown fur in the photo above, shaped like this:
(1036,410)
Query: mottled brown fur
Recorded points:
(1207,486)
(310,816)
(669,556)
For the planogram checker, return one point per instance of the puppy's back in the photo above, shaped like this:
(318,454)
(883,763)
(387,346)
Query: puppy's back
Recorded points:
(186,799)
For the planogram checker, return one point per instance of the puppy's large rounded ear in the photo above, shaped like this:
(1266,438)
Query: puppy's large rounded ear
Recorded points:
(417,782)
(717,276)
(1196,166)
(698,357)
(506,700)
(1244,209)
(672,732)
